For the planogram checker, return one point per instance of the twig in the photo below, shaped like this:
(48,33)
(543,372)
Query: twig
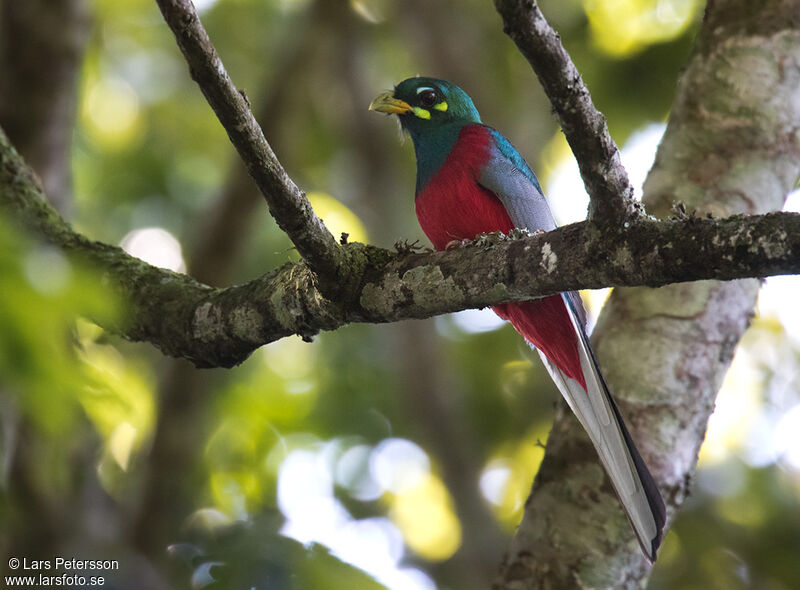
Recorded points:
(584,126)
(287,203)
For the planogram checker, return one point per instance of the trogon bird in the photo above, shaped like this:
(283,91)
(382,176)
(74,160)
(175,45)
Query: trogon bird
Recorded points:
(470,181)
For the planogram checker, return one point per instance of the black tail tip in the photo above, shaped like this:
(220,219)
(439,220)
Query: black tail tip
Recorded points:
(652,552)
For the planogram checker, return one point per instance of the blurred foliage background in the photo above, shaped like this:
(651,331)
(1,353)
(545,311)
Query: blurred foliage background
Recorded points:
(406,450)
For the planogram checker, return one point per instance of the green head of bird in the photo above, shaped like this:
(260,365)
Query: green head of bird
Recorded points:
(427,104)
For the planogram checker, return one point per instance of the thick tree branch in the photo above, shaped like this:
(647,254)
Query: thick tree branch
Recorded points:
(220,327)
(584,126)
(287,203)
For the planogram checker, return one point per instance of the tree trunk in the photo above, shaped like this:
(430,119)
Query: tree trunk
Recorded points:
(731,146)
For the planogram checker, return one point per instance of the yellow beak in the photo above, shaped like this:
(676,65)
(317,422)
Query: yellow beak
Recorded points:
(386,103)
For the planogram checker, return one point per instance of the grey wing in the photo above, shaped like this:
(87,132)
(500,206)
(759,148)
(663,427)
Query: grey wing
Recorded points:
(517,188)
(520,194)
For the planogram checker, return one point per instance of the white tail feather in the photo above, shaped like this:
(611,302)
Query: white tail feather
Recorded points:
(594,411)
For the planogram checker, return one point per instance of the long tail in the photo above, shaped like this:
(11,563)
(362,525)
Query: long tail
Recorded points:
(582,385)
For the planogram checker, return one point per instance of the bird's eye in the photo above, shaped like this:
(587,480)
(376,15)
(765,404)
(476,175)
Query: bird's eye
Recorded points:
(427,98)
